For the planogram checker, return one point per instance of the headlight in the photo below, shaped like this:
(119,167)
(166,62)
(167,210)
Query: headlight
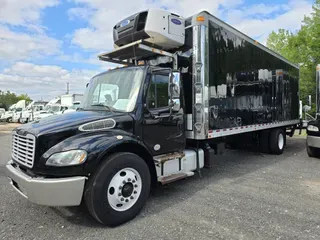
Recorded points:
(312,128)
(69,158)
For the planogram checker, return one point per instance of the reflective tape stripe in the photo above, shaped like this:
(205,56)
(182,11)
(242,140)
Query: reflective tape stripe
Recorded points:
(250,128)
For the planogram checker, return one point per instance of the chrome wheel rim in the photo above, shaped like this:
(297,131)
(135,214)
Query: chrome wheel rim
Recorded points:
(124,189)
(280,141)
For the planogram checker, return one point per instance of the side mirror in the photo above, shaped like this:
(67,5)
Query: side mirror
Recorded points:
(174,90)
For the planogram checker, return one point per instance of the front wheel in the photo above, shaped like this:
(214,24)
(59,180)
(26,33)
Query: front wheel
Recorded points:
(117,192)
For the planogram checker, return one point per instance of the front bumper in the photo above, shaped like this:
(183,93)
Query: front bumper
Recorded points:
(47,191)
(313,141)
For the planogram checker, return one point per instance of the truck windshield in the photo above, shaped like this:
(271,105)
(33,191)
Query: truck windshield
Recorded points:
(115,90)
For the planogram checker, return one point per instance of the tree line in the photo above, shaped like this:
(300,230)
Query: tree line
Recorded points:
(8,98)
(303,48)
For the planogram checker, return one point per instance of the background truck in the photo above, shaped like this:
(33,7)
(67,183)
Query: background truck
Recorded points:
(14,112)
(34,108)
(189,85)
(69,99)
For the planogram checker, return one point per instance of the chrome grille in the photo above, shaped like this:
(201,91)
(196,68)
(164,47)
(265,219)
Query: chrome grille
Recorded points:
(23,149)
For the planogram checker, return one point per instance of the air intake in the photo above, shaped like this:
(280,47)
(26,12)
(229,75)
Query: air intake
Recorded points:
(98,125)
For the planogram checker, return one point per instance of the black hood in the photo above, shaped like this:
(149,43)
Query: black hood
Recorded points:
(69,121)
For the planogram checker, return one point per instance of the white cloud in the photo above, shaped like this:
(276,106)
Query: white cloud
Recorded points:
(22,12)
(80,12)
(19,46)
(43,81)
(30,41)
(257,20)
(290,19)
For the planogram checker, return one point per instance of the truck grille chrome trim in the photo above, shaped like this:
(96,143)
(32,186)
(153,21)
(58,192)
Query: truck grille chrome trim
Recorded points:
(23,149)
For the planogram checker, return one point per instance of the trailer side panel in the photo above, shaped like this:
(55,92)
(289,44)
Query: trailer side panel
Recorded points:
(248,85)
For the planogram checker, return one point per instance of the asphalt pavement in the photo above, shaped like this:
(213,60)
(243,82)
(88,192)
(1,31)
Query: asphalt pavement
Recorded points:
(249,196)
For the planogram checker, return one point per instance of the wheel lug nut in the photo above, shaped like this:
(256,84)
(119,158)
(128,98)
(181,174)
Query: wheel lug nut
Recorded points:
(135,192)
(129,179)
(124,182)
(119,194)
(131,197)
(127,200)
(122,199)
(133,181)
(135,185)
(120,187)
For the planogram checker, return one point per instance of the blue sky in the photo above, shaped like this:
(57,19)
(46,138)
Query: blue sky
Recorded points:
(46,43)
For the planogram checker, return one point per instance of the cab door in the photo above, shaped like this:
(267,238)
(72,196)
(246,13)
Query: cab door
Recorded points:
(163,123)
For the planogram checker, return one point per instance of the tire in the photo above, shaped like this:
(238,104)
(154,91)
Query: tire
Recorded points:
(264,141)
(103,196)
(312,152)
(277,141)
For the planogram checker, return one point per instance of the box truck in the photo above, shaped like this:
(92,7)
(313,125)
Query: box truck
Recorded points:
(187,86)
(69,99)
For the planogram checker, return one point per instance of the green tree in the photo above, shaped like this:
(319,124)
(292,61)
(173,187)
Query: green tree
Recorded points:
(303,48)
(24,97)
(8,98)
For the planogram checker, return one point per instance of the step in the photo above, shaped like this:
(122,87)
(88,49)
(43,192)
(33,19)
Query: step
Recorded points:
(174,177)
(167,157)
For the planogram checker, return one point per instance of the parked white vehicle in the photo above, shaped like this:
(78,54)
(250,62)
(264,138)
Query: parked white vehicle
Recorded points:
(70,99)
(7,116)
(32,111)
(73,108)
(54,109)
(14,112)
(19,107)
(16,115)
(2,111)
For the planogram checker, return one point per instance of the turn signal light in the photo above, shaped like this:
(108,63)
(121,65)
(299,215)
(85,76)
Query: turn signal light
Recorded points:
(200,18)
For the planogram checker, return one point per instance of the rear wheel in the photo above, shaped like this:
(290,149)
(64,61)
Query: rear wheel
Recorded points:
(117,192)
(277,141)
(264,141)
(9,120)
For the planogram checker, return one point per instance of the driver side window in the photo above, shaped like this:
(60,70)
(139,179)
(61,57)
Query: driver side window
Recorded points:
(158,95)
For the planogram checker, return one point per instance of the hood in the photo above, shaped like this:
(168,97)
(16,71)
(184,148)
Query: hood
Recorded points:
(69,122)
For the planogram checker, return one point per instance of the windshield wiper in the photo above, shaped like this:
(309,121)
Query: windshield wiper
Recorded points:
(111,109)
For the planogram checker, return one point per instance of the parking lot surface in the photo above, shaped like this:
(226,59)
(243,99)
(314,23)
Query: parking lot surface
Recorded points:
(248,196)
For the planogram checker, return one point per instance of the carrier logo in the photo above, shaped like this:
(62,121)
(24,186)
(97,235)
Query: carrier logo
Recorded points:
(124,23)
(176,21)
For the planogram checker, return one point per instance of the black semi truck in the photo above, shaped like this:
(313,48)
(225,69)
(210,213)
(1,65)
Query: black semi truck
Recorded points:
(186,86)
